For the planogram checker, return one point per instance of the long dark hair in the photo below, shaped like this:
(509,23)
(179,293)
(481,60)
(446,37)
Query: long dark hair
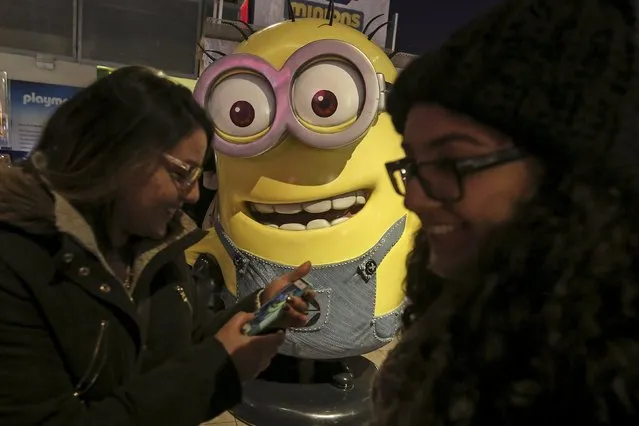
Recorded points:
(117,126)
(546,331)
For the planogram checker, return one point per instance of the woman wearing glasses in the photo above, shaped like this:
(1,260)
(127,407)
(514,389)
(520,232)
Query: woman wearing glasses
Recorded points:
(100,323)
(521,143)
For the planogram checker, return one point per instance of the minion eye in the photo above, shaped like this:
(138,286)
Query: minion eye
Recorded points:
(242,105)
(328,93)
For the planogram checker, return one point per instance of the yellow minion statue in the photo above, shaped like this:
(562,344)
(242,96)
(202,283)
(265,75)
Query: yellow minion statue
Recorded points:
(301,141)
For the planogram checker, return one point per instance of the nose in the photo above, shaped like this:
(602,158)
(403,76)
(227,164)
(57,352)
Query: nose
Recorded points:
(192,194)
(416,199)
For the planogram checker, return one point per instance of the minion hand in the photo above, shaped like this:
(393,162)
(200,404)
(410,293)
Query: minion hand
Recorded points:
(296,309)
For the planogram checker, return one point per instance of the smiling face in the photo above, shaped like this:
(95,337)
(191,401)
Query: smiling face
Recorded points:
(456,230)
(149,202)
(301,144)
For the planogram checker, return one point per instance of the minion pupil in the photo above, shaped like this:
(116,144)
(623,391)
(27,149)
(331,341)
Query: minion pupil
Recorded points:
(318,101)
(242,105)
(324,103)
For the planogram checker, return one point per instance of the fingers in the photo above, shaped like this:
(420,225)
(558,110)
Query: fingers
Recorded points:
(294,319)
(297,273)
(240,319)
(296,313)
(309,295)
(263,349)
(298,304)
(281,282)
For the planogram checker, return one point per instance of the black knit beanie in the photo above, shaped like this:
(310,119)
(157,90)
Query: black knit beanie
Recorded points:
(544,72)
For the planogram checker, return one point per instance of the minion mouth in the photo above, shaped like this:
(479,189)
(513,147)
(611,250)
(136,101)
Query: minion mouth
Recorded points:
(310,215)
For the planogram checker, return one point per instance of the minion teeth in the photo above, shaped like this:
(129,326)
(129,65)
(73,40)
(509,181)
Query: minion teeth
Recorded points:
(311,215)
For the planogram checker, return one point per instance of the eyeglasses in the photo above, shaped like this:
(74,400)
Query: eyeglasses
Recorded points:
(442,180)
(184,175)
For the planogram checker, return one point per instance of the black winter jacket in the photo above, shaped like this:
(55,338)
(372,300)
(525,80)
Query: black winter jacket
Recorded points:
(76,348)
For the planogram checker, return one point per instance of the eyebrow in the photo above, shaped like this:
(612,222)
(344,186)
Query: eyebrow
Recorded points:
(446,139)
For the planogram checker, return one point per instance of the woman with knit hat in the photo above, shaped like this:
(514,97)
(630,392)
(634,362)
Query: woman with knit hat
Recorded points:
(522,157)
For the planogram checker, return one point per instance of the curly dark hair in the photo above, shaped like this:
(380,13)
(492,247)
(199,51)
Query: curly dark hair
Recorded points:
(546,332)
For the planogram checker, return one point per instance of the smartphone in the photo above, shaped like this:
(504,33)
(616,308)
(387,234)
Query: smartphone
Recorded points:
(267,317)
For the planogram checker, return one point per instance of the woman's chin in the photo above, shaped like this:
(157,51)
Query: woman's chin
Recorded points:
(448,269)
(161,233)
(442,272)
(154,233)
(457,264)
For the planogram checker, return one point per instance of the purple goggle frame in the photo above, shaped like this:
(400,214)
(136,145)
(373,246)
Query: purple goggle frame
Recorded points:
(285,120)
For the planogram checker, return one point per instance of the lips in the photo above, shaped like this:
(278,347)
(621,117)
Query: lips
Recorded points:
(441,230)
(448,237)
(311,215)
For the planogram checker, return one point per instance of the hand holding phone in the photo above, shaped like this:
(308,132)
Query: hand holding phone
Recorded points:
(250,354)
(268,317)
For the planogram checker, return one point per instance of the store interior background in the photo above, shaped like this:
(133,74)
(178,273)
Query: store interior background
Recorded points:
(58,45)
(423,25)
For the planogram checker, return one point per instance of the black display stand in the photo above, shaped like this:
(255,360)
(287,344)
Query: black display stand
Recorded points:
(309,393)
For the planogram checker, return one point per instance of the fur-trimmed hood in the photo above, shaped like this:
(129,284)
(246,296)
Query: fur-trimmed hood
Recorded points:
(26,203)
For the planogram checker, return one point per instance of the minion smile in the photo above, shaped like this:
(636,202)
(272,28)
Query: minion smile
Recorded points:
(310,215)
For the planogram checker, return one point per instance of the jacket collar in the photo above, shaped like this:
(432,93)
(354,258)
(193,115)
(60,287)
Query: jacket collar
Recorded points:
(28,204)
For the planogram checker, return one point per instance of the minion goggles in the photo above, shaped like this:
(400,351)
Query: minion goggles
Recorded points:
(281,83)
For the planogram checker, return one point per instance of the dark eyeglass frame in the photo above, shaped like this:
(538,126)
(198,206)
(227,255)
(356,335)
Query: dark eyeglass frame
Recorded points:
(188,175)
(461,168)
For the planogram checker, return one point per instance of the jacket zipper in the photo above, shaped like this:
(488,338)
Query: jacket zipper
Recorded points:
(93,371)
(185,299)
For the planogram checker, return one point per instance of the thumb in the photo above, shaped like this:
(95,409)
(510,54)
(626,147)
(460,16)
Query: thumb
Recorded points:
(299,272)
(240,319)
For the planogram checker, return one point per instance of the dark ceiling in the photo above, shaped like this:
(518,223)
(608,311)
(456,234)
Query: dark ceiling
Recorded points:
(425,24)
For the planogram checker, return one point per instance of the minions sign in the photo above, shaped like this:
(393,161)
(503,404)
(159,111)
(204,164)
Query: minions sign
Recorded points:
(352,13)
(310,9)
